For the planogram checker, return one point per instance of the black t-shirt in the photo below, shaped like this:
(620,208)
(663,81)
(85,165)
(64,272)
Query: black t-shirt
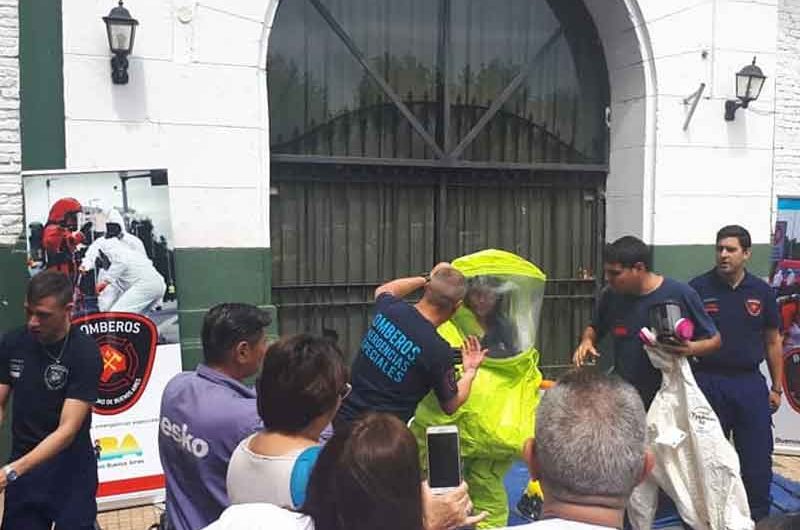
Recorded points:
(499,339)
(402,358)
(624,315)
(37,403)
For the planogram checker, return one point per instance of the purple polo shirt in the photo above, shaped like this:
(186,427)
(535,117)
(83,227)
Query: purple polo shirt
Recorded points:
(204,416)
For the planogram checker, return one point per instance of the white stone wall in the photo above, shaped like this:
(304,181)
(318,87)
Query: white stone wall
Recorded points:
(196,104)
(716,172)
(787,115)
(687,184)
(632,132)
(10,152)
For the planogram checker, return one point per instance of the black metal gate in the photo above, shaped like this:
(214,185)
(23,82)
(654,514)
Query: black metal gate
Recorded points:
(340,231)
(404,133)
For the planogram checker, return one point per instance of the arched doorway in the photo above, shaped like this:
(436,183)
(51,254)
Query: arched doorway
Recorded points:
(404,133)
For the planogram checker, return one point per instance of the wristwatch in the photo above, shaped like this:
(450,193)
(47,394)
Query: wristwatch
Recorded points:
(11,474)
(778,390)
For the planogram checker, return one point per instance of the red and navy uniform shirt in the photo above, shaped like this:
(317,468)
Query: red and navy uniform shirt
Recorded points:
(622,316)
(742,315)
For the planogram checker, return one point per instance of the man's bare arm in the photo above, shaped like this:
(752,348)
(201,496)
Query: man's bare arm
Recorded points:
(774,344)
(73,414)
(5,392)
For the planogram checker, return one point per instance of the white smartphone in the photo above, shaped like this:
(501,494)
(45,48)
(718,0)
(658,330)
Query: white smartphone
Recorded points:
(444,458)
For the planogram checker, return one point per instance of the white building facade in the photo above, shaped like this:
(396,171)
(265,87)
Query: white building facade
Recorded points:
(197,105)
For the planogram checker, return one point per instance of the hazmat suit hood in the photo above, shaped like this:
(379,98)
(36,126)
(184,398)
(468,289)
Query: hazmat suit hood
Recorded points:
(503,302)
(62,208)
(115,218)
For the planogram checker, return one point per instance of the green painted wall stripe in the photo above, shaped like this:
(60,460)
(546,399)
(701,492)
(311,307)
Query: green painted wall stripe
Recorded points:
(208,276)
(684,262)
(41,84)
(13,267)
(14,272)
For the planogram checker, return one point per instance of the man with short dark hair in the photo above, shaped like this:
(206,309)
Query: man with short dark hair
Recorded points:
(589,451)
(745,311)
(53,369)
(402,356)
(623,310)
(207,412)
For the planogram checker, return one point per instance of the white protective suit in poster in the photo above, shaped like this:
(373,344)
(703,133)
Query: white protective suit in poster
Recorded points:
(134,283)
(694,463)
(112,292)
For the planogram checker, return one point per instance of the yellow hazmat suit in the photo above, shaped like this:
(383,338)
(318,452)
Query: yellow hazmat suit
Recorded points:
(499,414)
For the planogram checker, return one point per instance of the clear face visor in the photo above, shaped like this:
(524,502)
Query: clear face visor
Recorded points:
(503,311)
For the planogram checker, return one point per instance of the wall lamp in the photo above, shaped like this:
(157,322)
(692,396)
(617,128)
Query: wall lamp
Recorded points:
(749,82)
(121,29)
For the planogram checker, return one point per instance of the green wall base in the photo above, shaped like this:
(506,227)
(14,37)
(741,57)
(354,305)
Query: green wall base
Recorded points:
(684,262)
(209,276)
(14,271)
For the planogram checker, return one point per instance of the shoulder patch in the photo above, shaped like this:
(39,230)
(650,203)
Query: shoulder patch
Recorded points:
(753,306)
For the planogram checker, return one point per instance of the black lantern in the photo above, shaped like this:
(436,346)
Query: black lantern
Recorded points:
(121,29)
(749,82)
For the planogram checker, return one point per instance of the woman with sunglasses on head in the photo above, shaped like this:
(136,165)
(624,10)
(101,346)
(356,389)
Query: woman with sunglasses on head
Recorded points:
(367,477)
(303,381)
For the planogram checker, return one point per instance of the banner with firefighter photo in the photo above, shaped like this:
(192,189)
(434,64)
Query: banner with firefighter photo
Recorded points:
(785,280)
(110,233)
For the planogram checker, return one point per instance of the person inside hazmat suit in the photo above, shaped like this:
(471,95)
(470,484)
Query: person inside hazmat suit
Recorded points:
(127,281)
(502,308)
(485,318)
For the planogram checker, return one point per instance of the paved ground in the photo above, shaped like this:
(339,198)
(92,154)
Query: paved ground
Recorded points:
(787,466)
(132,519)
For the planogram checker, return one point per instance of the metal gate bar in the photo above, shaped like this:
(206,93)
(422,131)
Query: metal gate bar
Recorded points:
(340,231)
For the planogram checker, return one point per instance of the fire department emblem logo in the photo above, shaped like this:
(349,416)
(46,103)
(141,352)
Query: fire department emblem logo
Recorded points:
(753,306)
(127,343)
(791,372)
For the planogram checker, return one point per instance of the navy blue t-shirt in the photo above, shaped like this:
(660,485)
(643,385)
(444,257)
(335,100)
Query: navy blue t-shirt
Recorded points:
(37,403)
(624,315)
(742,316)
(402,358)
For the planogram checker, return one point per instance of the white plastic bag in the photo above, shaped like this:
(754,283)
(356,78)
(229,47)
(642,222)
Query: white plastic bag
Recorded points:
(695,465)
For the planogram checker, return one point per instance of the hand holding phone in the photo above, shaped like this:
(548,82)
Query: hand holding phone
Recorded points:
(444,458)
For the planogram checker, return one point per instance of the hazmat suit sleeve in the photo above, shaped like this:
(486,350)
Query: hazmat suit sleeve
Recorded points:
(91,255)
(116,253)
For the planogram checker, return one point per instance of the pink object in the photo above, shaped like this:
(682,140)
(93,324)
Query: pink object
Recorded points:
(647,336)
(684,329)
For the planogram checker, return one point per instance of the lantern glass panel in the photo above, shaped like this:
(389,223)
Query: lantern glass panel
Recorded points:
(120,37)
(743,86)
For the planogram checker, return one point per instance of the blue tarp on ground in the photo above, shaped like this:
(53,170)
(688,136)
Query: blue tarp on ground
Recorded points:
(785,497)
